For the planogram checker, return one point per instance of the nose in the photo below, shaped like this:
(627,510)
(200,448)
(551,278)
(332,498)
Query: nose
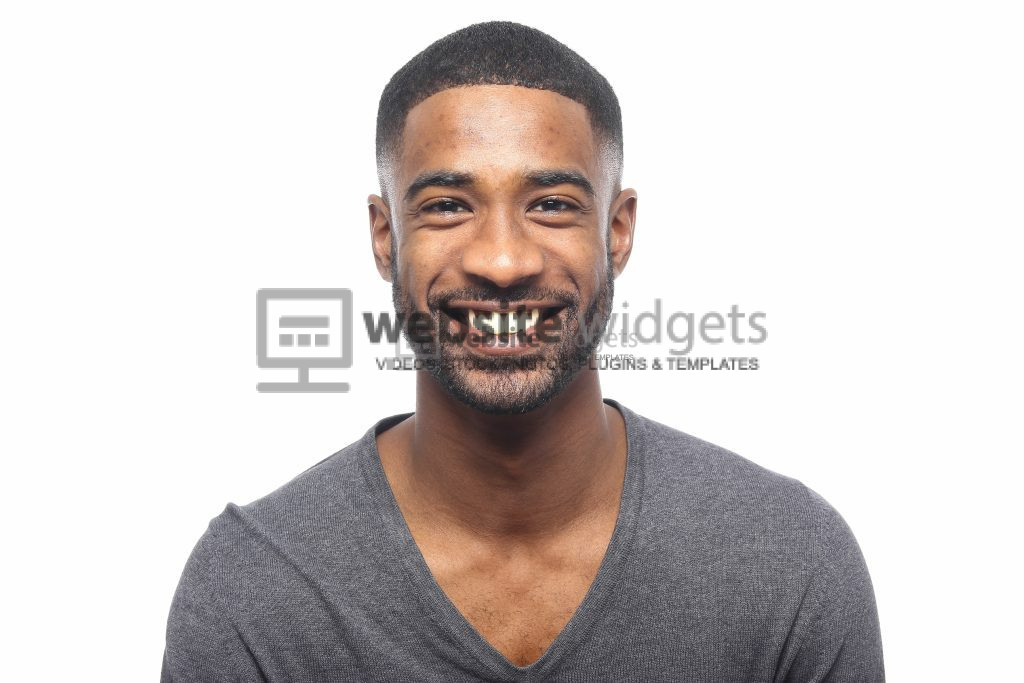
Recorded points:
(503,252)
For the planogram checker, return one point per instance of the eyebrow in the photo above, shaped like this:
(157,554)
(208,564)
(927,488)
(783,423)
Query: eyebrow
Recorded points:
(541,178)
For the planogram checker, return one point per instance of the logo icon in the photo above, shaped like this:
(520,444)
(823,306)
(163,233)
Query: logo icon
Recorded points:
(303,329)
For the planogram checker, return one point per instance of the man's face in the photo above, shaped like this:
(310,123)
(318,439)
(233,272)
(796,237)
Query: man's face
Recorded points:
(500,230)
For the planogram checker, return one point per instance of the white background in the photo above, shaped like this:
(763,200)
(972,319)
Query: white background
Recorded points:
(854,171)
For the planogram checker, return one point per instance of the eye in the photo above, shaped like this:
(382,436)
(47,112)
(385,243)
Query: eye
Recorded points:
(443,206)
(554,204)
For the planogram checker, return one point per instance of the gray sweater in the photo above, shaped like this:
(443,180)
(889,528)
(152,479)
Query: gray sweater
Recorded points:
(718,570)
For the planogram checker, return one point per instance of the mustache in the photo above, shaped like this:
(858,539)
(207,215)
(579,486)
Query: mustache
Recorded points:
(503,296)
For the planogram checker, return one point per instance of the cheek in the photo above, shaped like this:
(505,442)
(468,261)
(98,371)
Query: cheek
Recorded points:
(421,262)
(584,256)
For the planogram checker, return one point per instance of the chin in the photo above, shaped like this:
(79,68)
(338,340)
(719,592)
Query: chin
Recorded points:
(501,393)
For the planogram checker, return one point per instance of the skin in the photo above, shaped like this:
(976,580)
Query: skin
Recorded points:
(513,512)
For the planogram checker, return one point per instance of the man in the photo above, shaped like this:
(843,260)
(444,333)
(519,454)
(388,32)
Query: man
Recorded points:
(518,526)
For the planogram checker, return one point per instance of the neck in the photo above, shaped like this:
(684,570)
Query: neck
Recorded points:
(513,476)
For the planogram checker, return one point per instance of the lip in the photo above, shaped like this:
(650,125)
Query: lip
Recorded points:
(519,348)
(524,342)
(462,308)
(547,307)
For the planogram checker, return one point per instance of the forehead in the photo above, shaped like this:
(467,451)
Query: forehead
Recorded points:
(497,131)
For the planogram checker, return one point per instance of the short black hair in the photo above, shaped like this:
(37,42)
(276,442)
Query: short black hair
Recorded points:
(499,53)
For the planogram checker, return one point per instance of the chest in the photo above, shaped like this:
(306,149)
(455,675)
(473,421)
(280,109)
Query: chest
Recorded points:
(518,603)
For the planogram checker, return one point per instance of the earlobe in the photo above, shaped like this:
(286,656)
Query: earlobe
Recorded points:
(381,236)
(620,234)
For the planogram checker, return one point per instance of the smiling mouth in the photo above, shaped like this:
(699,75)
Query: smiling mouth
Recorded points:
(509,321)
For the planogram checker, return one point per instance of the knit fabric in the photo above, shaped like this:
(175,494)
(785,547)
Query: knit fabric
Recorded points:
(718,570)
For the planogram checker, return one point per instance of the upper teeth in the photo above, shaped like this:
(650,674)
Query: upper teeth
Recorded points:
(498,322)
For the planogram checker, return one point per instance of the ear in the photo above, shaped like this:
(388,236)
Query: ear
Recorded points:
(381,235)
(620,232)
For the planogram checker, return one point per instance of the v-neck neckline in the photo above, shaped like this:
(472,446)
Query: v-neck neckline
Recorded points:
(443,611)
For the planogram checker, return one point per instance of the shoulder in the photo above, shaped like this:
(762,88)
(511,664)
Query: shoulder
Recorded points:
(722,515)
(325,509)
(738,503)
(264,556)
(675,458)
(278,555)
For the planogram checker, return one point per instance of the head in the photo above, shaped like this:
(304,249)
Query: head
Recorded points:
(501,218)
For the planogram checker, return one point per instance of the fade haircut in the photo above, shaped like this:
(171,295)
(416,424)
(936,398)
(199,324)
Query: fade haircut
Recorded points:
(498,53)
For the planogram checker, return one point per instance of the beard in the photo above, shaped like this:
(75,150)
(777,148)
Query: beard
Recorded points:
(511,384)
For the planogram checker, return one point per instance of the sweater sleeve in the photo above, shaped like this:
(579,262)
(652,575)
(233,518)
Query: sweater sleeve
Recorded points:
(838,638)
(203,642)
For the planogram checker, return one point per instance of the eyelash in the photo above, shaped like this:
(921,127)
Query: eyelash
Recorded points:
(440,202)
(570,206)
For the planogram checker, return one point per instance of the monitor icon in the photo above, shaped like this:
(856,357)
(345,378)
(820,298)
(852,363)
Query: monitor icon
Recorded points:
(303,329)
